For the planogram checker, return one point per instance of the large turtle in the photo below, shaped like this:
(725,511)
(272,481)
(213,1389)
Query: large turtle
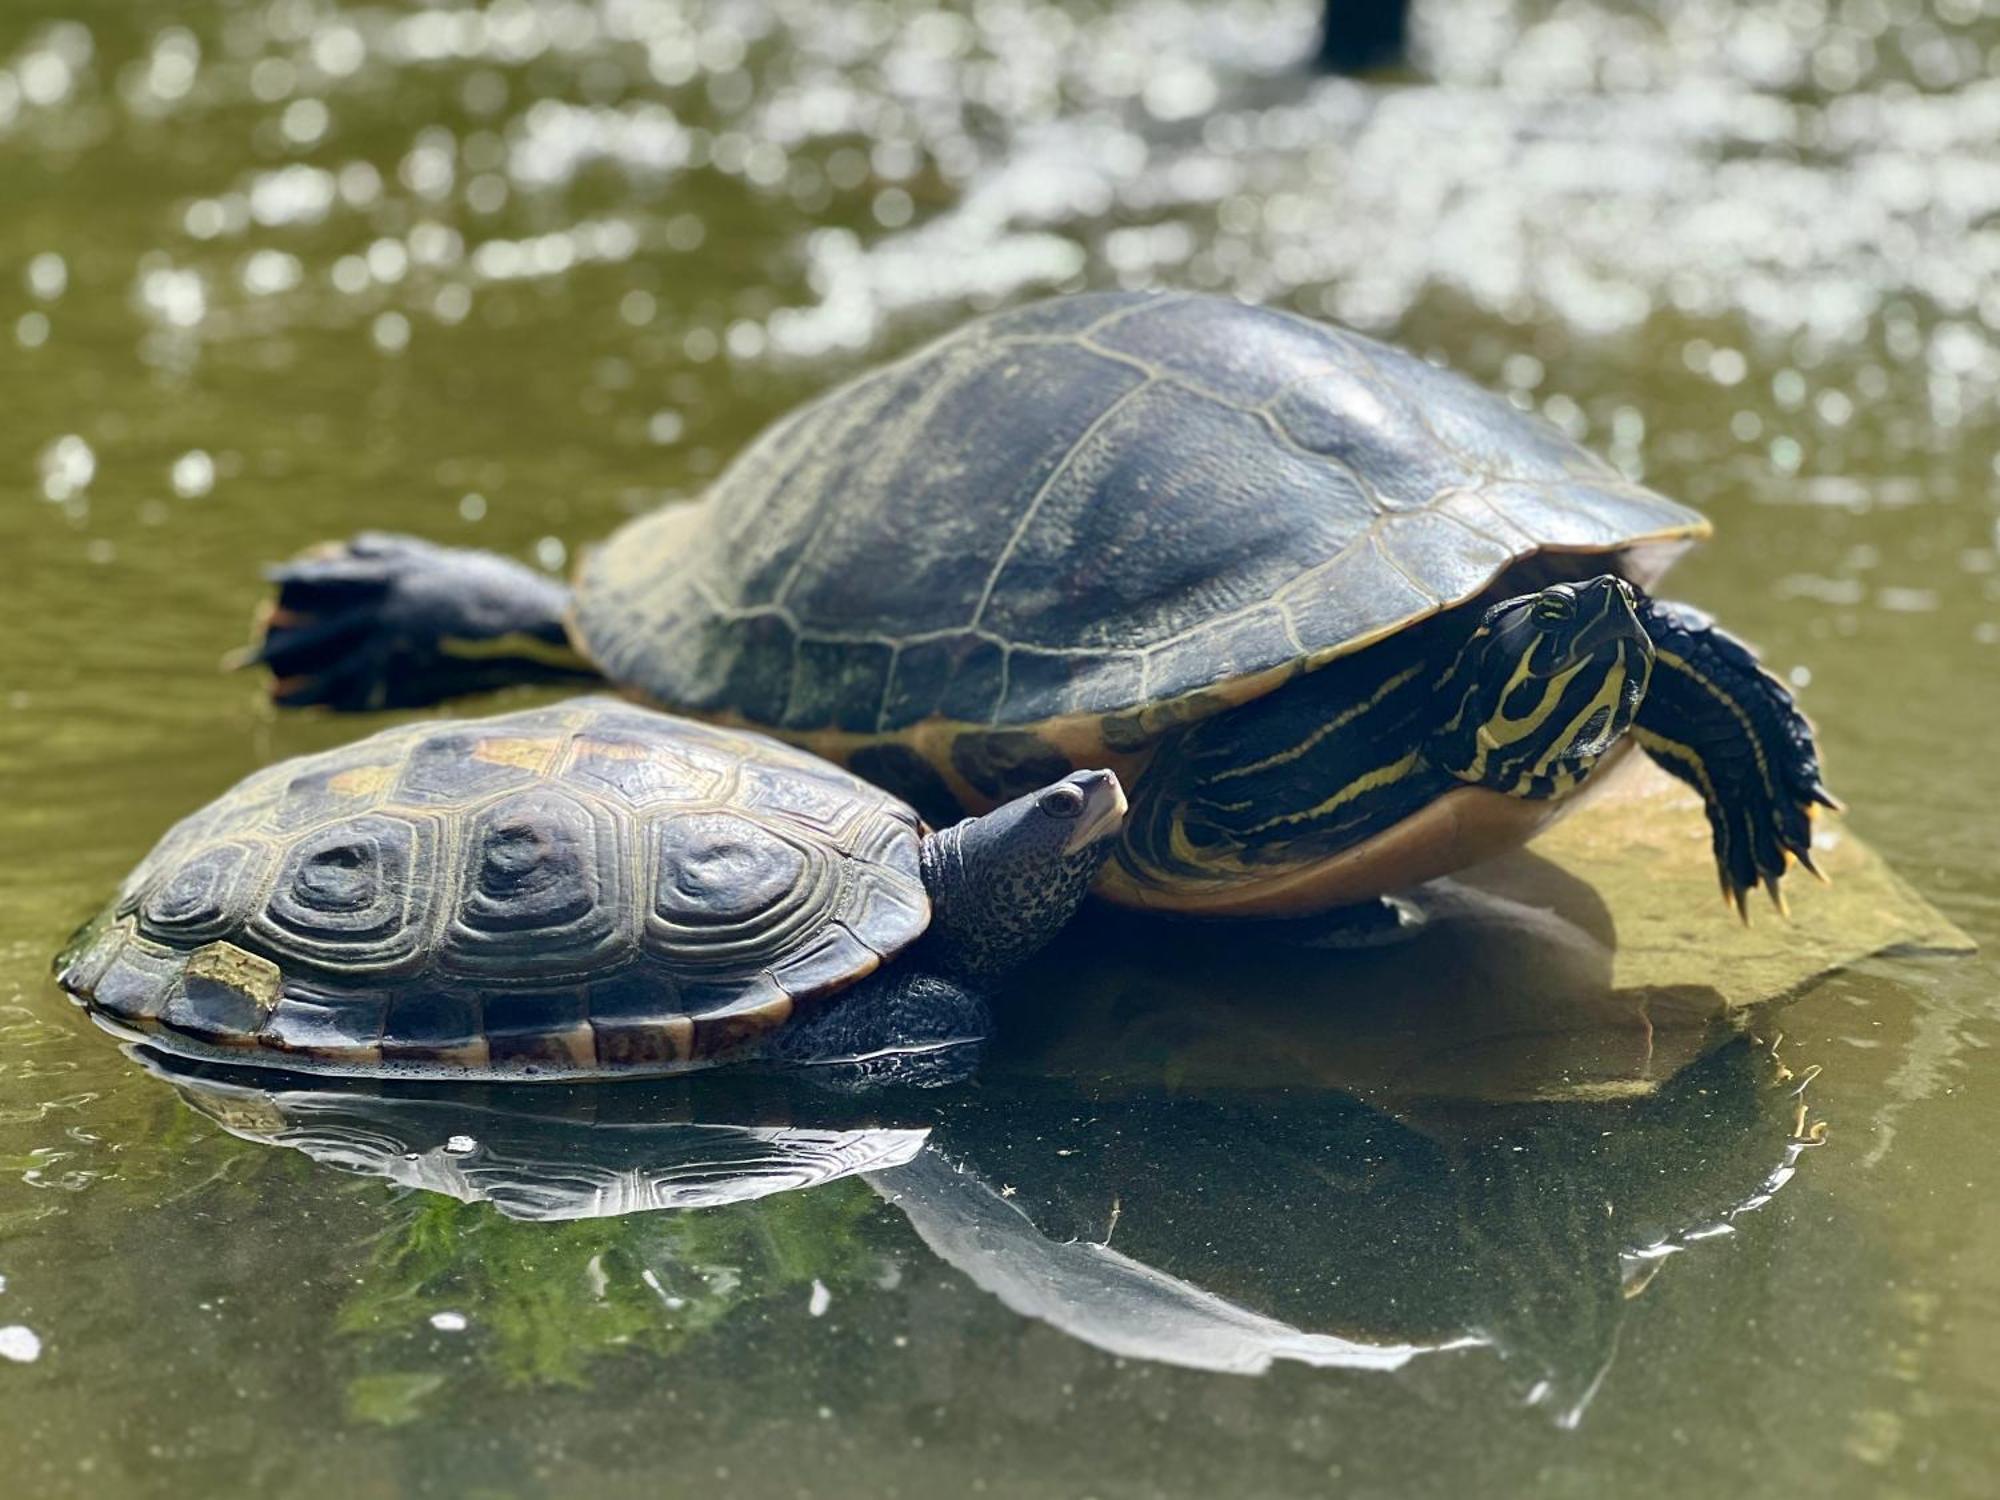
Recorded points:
(587,890)
(1342,620)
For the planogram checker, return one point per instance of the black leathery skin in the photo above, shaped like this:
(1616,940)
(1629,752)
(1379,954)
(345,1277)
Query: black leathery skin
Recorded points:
(1758,815)
(898,769)
(364,624)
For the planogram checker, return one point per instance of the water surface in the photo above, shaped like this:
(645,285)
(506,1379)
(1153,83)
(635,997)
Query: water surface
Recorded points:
(506,275)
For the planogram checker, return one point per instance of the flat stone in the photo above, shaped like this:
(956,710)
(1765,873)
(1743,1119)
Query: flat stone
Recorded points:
(1594,965)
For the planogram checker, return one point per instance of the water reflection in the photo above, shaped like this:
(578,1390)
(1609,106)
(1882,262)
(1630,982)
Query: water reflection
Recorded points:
(1223,1232)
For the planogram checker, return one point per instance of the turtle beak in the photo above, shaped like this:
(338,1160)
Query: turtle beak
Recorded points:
(1103,810)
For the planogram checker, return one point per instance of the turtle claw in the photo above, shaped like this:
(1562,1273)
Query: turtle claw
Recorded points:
(1757,841)
(1777,895)
(1805,859)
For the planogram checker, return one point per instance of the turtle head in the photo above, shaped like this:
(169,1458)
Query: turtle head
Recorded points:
(1002,885)
(1547,684)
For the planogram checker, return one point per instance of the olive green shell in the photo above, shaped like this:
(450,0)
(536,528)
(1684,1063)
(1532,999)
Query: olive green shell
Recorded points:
(584,889)
(1091,506)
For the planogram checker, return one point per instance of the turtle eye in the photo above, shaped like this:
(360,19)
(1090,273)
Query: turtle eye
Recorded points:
(1063,801)
(1555,605)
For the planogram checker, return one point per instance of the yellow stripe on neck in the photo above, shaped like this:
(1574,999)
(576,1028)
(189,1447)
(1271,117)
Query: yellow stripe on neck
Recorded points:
(517,644)
(1338,722)
(1499,731)
(1382,776)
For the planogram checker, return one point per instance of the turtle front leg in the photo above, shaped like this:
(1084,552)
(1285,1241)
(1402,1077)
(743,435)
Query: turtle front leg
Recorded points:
(907,1028)
(1716,719)
(388,621)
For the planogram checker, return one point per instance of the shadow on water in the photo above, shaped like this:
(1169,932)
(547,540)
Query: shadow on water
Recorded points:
(1506,994)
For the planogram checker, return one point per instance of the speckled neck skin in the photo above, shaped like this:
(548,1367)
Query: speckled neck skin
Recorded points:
(1002,886)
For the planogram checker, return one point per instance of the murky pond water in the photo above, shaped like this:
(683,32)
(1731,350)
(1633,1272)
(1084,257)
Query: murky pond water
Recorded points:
(506,275)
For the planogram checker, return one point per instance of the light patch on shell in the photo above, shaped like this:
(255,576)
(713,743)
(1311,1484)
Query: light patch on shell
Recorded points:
(256,979)
(616,749)
(527,755)
(362,781)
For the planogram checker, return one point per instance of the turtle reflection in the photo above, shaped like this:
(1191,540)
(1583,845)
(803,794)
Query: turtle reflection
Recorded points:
(1225,1232)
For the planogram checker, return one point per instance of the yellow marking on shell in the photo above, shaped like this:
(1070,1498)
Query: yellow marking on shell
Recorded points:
(527,755)
(615,749)
(255,979)
(574,1047)
(474,1055)
(362,781)
(517,645)
(634,1045)
(1332,726)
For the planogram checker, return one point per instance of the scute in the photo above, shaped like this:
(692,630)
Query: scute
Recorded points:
(543,889)
(719,870)
(353,897)
(566,891)
(1094,506)
(208,892)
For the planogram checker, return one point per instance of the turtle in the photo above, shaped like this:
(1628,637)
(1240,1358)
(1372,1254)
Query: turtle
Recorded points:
(585,890)
(1342,620)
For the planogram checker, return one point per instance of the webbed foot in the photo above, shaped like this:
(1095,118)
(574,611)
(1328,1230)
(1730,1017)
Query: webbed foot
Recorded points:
(1717,720)
(387,621)
(903,1029)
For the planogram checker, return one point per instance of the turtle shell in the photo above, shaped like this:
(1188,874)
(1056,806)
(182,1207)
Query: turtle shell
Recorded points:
(1090,507)
(586,889)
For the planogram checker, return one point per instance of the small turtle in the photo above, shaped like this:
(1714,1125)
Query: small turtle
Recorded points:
(583,891)
(1343,621)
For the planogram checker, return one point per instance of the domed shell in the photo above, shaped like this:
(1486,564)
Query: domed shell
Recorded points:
(585,889)
(1091,506)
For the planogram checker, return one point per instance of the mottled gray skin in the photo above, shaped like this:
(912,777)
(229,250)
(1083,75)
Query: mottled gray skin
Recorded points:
(1001,886)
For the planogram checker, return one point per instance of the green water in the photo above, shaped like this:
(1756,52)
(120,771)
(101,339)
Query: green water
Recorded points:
(270,273)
